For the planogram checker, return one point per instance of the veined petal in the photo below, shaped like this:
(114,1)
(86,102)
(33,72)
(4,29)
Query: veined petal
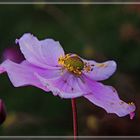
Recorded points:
(65,86)
(34,51)
(31,49)
(101,71)
(107,98)
(51,50)
(23,74)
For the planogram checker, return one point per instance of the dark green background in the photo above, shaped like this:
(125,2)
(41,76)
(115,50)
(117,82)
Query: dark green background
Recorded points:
(98,32)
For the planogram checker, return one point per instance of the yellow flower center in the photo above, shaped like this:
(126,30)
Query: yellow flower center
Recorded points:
(73,63)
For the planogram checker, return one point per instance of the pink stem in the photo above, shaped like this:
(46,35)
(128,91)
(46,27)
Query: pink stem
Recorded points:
(74,112)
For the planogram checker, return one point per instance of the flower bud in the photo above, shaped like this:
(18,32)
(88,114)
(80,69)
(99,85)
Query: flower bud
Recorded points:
(2,111)
(14,54)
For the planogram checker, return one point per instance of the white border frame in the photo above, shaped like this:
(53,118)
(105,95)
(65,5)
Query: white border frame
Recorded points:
(69,137)
(99,3)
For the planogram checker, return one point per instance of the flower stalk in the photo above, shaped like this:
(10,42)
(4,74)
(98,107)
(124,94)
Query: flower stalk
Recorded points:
(75,124)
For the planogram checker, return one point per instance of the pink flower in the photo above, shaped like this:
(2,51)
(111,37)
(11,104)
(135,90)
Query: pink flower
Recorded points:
(46,66)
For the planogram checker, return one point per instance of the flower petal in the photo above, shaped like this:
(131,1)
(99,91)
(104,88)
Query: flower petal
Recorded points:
(132,114)
(101,71)
(51,51)
(23,74)
(65,86)
(31,48)
(2,70)
(107,98)
(40,53)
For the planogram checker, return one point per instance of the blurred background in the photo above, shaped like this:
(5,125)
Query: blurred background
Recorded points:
(99,32)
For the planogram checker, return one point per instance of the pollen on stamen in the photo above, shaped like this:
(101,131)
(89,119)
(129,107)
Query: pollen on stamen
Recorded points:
(72,63)
(131,103)
(101,65)
(87,67)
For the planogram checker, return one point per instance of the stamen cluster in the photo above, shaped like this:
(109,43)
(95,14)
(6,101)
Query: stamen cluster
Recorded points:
(74,64)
